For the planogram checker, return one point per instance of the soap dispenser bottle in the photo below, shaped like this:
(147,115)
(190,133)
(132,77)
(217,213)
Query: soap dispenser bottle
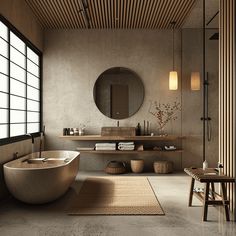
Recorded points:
(138,130)
(205,165)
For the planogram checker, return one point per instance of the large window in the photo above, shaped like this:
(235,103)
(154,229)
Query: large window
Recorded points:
(19,84)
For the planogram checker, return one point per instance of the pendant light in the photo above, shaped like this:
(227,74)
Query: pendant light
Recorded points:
(195,81)
(173,75)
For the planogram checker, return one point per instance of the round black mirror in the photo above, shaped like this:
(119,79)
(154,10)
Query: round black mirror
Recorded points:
(118,93)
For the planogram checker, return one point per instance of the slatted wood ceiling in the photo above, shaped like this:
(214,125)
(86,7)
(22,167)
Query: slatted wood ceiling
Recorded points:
(110,14)
(227,97)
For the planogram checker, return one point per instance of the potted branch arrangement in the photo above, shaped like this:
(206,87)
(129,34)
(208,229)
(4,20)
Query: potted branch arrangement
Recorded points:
(164,113)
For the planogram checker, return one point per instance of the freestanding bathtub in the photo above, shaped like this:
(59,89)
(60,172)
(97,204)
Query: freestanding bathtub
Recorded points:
(40,180)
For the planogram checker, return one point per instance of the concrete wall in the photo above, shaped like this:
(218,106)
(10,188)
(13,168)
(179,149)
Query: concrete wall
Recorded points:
(20,15)
(73,60)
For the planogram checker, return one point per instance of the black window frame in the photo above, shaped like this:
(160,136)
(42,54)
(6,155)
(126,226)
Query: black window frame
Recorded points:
(30,45)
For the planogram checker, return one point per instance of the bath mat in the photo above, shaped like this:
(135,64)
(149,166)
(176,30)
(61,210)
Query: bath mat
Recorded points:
(116,196)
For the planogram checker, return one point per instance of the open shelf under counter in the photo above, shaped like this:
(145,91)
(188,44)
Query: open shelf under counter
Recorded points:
(122,138)
(130,152)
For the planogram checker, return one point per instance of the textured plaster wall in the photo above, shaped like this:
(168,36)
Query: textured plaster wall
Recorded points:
(73,60)
(20,15)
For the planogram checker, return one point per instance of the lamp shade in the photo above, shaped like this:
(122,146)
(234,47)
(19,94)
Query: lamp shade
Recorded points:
(173,80)
(195,81)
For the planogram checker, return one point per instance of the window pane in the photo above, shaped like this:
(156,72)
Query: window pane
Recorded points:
(17,88)
(31,67)
(4,65)
(3,100)
(3,116)
(3,31)
(17,57)
(3,130)
(32,128)
(32,80)
(13,87)
(3,83)
(17,72)
(17,43)
(32,117)
(17,129)
(17,116)
(32,93)
(3,48)
(32,56)
(32,105)
(17,102)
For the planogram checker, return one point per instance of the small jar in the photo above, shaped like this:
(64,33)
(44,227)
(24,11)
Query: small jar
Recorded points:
(76,131)
(81,132)
(68,131)
(71,131)
(64,131)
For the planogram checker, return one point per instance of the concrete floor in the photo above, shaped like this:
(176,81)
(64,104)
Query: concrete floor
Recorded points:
(172,191)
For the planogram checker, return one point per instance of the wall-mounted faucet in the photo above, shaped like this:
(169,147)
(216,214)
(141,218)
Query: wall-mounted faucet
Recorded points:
(32,142)
(42,133)
(15,155)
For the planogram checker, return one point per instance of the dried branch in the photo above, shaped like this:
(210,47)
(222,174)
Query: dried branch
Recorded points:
(164,112)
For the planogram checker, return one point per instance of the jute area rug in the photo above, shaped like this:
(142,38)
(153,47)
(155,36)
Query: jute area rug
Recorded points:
(116,196)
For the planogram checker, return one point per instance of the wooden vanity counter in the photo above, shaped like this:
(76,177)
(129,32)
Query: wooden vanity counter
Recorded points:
(122,138)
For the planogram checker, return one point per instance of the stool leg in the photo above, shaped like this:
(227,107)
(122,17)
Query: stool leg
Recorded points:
(205,203)
(224,198)
(213,190)
(191,192)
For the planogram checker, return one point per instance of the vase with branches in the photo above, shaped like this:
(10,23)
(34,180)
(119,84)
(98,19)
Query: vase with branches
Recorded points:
(164,112)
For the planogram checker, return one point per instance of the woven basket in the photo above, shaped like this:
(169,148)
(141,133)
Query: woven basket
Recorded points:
(115,168)
(163,167)
(137,165)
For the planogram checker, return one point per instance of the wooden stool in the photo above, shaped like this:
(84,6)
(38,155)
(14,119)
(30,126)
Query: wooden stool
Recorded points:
(209,177)
(163,167)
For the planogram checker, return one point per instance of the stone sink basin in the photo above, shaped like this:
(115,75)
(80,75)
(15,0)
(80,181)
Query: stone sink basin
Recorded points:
(118,131)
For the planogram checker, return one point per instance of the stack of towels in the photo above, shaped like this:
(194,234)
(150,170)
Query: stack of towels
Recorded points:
(105,146)
(126,146)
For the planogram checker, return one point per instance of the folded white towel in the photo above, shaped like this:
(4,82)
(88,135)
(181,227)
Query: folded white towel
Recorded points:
(126,146)
(122,148)
(105,144)
(126,143)
(105,148)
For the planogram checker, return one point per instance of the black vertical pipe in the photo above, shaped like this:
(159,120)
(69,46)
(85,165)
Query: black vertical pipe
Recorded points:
(26,92)
(9,84)
(204,82)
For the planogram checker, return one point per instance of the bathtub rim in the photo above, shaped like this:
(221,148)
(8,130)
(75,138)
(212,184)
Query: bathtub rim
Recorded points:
(25,157)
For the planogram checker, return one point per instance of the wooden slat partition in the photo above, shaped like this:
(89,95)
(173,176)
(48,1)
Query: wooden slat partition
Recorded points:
(106,14)
(227,89)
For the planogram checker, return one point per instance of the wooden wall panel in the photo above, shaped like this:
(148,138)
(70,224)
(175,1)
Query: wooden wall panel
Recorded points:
(227,91)
(107,14)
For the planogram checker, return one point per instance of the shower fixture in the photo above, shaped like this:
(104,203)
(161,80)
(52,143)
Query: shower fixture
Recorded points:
(206,119)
